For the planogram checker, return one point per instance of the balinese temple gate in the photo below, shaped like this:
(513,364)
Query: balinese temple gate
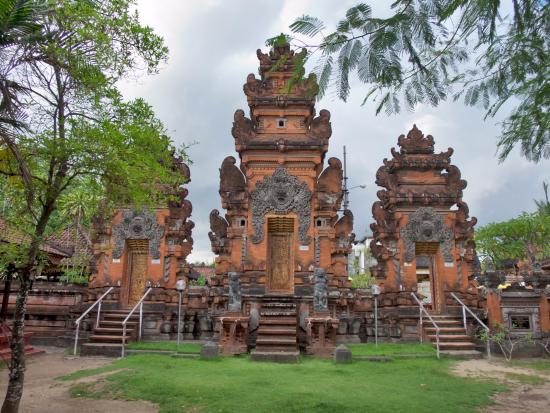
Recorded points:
(282,250)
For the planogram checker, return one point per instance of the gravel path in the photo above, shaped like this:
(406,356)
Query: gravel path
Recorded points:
(44,394)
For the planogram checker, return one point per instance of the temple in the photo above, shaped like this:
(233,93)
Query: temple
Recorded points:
(282,247)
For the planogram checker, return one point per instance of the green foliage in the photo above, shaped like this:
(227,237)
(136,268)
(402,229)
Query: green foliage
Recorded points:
(235,384)
(524,237)
(201,281)
(506,340)
(430,50)
(362,281)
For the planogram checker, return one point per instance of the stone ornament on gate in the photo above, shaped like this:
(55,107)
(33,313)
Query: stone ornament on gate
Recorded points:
(281,193)
(138,225)
(425,225)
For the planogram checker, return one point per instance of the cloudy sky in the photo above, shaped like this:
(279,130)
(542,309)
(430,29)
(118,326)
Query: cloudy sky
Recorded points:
(212,49)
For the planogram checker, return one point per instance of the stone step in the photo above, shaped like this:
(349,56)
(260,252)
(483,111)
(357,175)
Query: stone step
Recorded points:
(108,323)
(457,346)
(275,356)
(450,337)
(119,316)
(276,330)
(111,330)
(276,341)
(109,339)
(445,330)
(462,354)
(443,322)
(278,313)
(101,349)
(278,321)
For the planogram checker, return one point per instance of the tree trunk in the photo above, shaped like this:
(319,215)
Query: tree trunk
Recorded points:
(17,364)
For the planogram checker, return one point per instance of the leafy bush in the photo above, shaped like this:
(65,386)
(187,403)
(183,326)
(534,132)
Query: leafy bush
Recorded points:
(362,281)
(201,281)
(505,339)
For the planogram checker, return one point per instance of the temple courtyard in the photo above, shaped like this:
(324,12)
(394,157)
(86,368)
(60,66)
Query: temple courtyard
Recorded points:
(144,383)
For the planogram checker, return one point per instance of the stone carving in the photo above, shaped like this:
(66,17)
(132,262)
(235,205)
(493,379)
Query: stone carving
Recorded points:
(425,225)
(330,179)
(243,128)
(234,292)
(281,193)
(320,126)
(218,231)
(343,230)
(138,225)
(464,228)
(415,142)
(320,302)
(231,178)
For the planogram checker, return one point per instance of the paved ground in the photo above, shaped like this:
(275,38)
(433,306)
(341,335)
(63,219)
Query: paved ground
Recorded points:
(44,394)
(523,398)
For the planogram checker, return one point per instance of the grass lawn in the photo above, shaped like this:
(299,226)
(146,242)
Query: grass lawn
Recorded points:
(166,346)
(236,384)
(390,349)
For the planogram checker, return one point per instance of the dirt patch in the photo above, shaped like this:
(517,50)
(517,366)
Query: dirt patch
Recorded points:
(44,394)
(522,397)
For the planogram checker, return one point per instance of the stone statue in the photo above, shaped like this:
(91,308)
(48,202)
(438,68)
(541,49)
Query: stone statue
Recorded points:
(234,292)
(320,302)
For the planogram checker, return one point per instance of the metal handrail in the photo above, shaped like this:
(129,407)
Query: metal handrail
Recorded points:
(422,309)
(464,309)
(79,319)
(140,305)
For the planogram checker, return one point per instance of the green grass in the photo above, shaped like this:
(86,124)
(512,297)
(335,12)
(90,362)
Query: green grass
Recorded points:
(525,378)
(166,346)
(236,384)
(535,364)
(390,349)
(91,372)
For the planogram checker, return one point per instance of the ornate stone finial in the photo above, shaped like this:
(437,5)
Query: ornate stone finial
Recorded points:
(280,57)
(415,142)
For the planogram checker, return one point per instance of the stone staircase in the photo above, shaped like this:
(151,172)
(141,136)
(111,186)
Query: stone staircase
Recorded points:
(276,339)
(106,338)
(454,340)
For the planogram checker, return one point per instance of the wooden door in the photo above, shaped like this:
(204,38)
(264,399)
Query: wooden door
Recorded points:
(133,287)
(280,277)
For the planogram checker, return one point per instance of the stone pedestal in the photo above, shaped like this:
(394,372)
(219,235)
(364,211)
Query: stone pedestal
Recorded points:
(321,334)
(233,330)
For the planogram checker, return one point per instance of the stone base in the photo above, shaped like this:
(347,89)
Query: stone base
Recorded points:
(101,349)
(276,356)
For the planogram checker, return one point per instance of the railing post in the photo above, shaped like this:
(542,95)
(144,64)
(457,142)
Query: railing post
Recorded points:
(437,341)
(76,338)
(140,318)
(123,338)
(464,317)
(98,314)
(421,332)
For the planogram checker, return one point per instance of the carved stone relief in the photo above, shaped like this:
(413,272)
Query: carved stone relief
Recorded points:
(425,225)
(320,302)
(281,193)
(234,292)
(138,225)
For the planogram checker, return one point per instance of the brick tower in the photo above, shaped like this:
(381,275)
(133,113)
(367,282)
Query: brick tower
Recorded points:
(282,249)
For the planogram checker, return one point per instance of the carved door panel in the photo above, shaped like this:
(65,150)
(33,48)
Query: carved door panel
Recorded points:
(280,277)
(136,274)
(138,277)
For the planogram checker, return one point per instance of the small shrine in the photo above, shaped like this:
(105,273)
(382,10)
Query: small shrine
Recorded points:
(281,246)
(422,234)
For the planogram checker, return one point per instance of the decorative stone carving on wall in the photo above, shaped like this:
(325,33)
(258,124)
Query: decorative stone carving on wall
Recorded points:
(218,233)
(281,193)
(320,302)
(234,292)
(425,225)
(343,230)
(138,225)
